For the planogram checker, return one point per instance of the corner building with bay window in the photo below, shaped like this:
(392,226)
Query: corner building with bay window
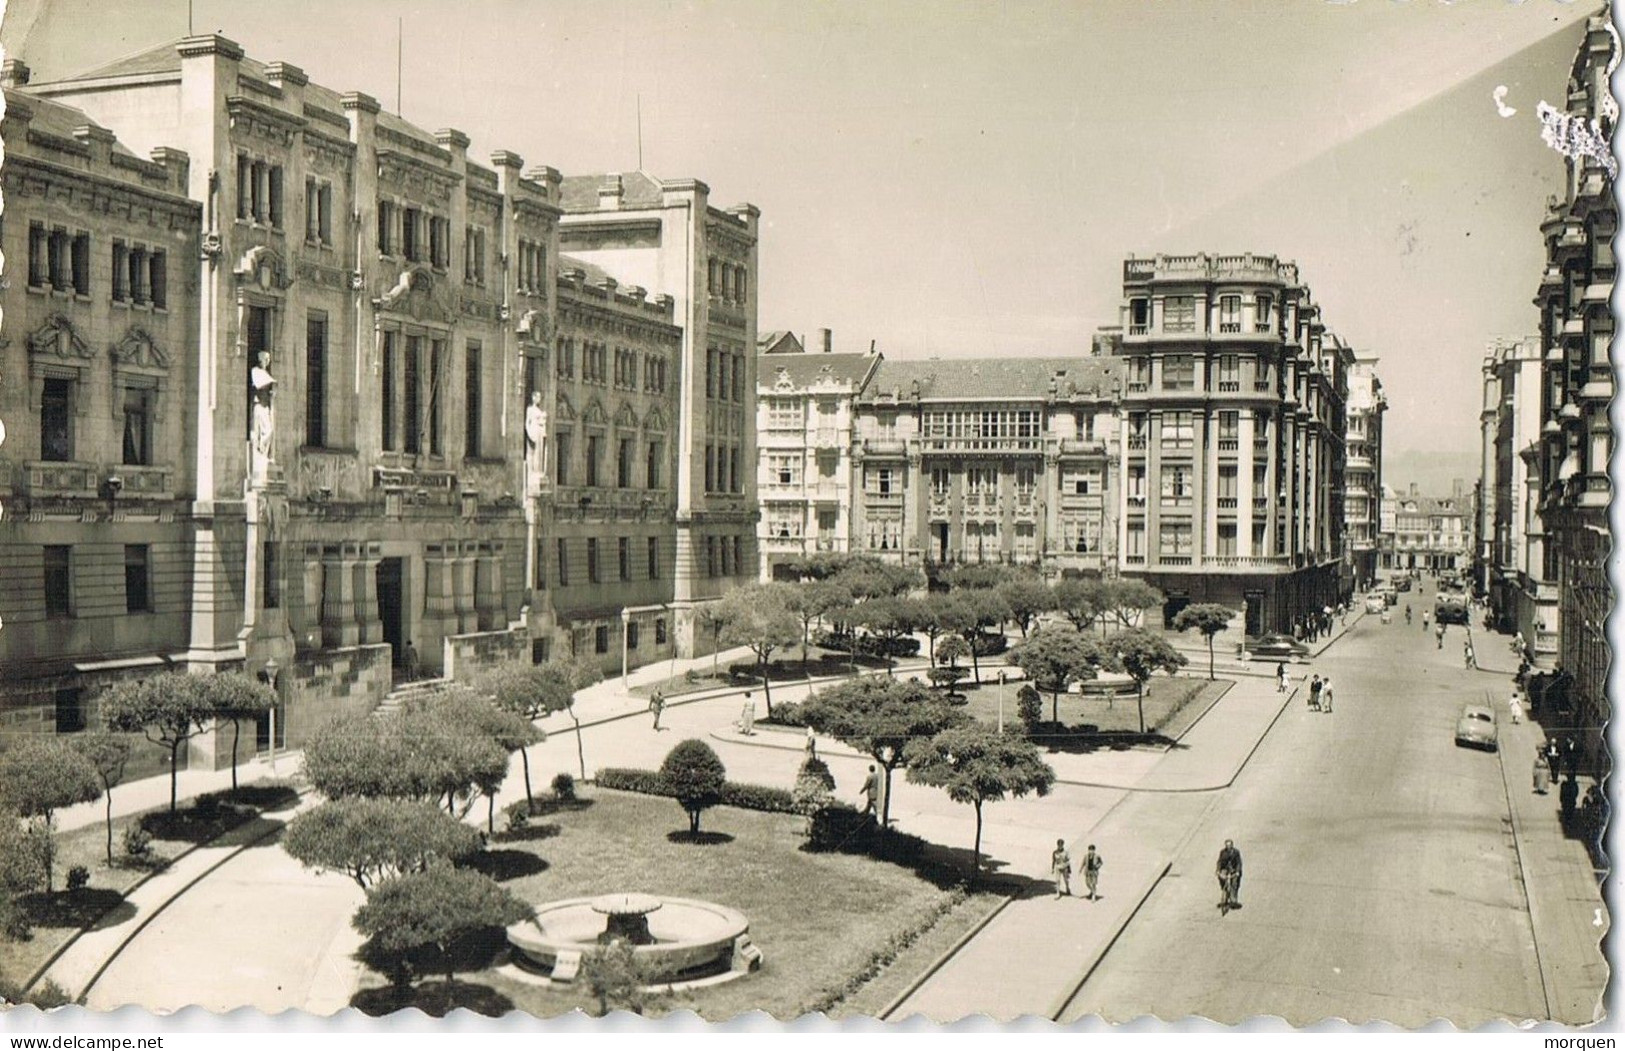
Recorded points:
(1232,459)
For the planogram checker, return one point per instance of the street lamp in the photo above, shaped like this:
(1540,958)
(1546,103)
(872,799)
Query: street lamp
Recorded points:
(270,673)
(1001,702)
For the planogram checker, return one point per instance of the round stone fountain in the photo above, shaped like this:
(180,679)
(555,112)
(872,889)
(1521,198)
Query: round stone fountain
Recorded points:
(675,940)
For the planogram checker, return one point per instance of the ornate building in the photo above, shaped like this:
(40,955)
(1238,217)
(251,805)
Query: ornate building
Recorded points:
(805,423)
(1233,453)
(1433,534)
(1363,478)
(98,389)
(989,460)
(665,236)
(1576,329)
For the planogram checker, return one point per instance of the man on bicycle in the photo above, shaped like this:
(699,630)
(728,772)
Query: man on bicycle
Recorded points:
(1229,870)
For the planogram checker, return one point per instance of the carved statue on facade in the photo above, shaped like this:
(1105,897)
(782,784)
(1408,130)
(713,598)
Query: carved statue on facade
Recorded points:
(536,437)
(262,387)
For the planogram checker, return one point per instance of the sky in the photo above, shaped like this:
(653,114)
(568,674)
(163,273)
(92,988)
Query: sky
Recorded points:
(965,178)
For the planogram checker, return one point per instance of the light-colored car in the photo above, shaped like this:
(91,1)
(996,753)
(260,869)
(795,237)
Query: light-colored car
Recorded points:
(1375,603)
(1279,648)
(1476,727)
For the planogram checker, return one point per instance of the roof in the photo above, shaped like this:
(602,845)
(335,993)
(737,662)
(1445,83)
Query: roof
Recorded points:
(593,272)
(1434,507)
(160,58)
(57,119)
(769,342)
(579,193)
(969,379)
(804,369)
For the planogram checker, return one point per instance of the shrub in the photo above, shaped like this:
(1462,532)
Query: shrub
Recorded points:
(209,805)
(612,974)
(78,878)
(733,793)
(13,923)
(46,995)
(696,778)
(137,843)
(843,828)
(786,713)
(564,788)
(518,814)
(814,788)
(989,644)
(1029,706)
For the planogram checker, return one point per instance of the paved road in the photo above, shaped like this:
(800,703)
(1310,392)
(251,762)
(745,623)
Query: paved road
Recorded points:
(1381,878)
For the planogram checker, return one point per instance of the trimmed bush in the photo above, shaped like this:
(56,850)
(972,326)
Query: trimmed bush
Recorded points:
(137,842)
(734,793)
(989,644)
(518,814)
(564,788)
(1029,706)
(786,713)
(78,878)
(843,828)
(696,778)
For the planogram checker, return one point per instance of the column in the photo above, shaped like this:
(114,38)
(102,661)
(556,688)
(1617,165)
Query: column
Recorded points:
(370,628)
(1206,498)
(467,612)
(339,627)
(1244,485)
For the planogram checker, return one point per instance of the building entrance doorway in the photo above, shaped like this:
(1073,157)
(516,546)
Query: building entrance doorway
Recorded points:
(939,530)
(1255,613)
(391,601)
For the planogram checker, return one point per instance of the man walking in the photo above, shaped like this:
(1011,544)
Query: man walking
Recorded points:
(1326,694)
(1467,656)
(1229,871)
(1282,680)
(870,791)
(1315,687)
(1060,863)
(1438,633)
(1426,616)
(1091,870)
(657,704)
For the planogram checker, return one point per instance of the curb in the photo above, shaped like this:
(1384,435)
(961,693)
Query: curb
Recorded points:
(885,1013)
(1057,1008)
(1541,964)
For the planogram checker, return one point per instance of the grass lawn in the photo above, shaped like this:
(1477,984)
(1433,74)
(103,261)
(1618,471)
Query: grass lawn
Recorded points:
(819,918)
(1172,703)
(58,916)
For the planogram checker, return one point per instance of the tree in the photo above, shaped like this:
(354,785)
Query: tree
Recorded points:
(1055,658)
(710,618)
(562,680)
(1025,596)
(236,697)
(1127,599)
(371,840)
(889,619)
(814,788)
(879,716)
(942,615)
(1078,601)
(432,910)
(977,576)
(22,869)
(168,709)
(418,753)
(985,610)
(1141,653)
(1209,618)
(696,777)
(814,601)
(868,577)
(758,616)
(40,775)
(953,649)
(466,710)
(524,690)
(976,765)
(108,754)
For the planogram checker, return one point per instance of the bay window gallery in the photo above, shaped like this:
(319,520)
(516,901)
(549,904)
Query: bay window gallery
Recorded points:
(413,367)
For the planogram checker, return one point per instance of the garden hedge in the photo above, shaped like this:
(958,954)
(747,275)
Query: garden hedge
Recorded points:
(734,793)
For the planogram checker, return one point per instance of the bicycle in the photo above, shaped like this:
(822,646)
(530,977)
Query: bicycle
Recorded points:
(1229,885)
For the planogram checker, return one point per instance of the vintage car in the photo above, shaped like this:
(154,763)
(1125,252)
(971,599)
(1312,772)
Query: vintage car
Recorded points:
(1275,648)
(1476,728)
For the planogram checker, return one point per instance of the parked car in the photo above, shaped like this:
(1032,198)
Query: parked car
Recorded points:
(1450,609)
(1402,584)
(1275,648)
(1375,603)
(1476,728)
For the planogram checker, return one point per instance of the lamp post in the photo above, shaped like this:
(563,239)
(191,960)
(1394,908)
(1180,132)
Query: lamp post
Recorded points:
(1001,702)
(271,671)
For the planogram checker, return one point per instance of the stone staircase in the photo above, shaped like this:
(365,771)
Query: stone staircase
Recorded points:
(398,697)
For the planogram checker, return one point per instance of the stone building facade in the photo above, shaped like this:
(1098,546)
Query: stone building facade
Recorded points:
(1363,477)
(989,460)
(1233,456)
(805,423)
(1576,329)
(97,391)
(664,236)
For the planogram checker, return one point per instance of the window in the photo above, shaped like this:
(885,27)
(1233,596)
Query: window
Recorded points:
(784,414)
(1227,540)
(654,558)
(81,264)
(1229,313)
(1229,428)
(784,469)
(735,485)
(1178,372)
(473,397)
(1227,486)
(567,359)
(245,186)
(623,464)
(739,378)
(592,560)
(137,590)
(1229,372)
(623,557)
(474,256)
(1136,484)
(1026,483)
(412,381)
(564,563)
(411,234)
(600,639)
(660,631)
(939,481)
(439,242)
(1263,313)
(316,380)
(651,468)
(70,710)
(1139,316)
(593,443)
(711,372)
(121,272)
(1178,431)
(1261,377)
(1179,314)
(137,444)
(539,566)
(632,634)
(1176,539)
(880,481)
(56,261)
(38,251)
(387,417)
(437,369)
(386,227)
(138,274)
(58,581)
(710,556)
(56,419)
(158,278)
(710,466)
(1176,486)
(561,445)
(738,545)
(274,195)
(1261,488)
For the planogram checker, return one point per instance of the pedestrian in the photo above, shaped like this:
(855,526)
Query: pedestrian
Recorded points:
(1438,633)
(1567,796)
(657,704)
(811,746)
(1571,756)
(1229,872)
(1282,679)
(1315,686)
(1515,708)
(1060,863)
(1326,694)
(747,717)
(413,667)
(1407,613)
(870,790)
(1543,772)
(1517,644)
(1091,870)
(1425,617)
(1467,654)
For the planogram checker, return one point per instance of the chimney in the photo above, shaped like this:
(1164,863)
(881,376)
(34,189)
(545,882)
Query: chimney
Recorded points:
(1456,487)
(1414,493)
(14,73)
(871,348)
(826,339)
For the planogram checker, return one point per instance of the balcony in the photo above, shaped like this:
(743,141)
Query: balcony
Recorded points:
(1229,445)
(1136,443)
(1139,330)
(1136,500)
(1134,560)
(1083,446)
(1173,560)
(938,507)
(1138,387)
(827,438)
(827,492)
(63,478)
(1006,445)
(884,446)
(1229,387)
(1226,503)
(1246,561)
(875,496)
(1227,328)
(1261,450)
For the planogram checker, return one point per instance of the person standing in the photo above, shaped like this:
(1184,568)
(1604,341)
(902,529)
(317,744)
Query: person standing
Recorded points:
(1315,686)
(1567,796)
(1091,870)
(1326,694)
(1543,772)
(871,791)
(1515,708)
(1060,864)
(747,717)
(657,704)
(1426,616)
(1229,872)
(1467,655)
(1282,679)
(1438,633)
